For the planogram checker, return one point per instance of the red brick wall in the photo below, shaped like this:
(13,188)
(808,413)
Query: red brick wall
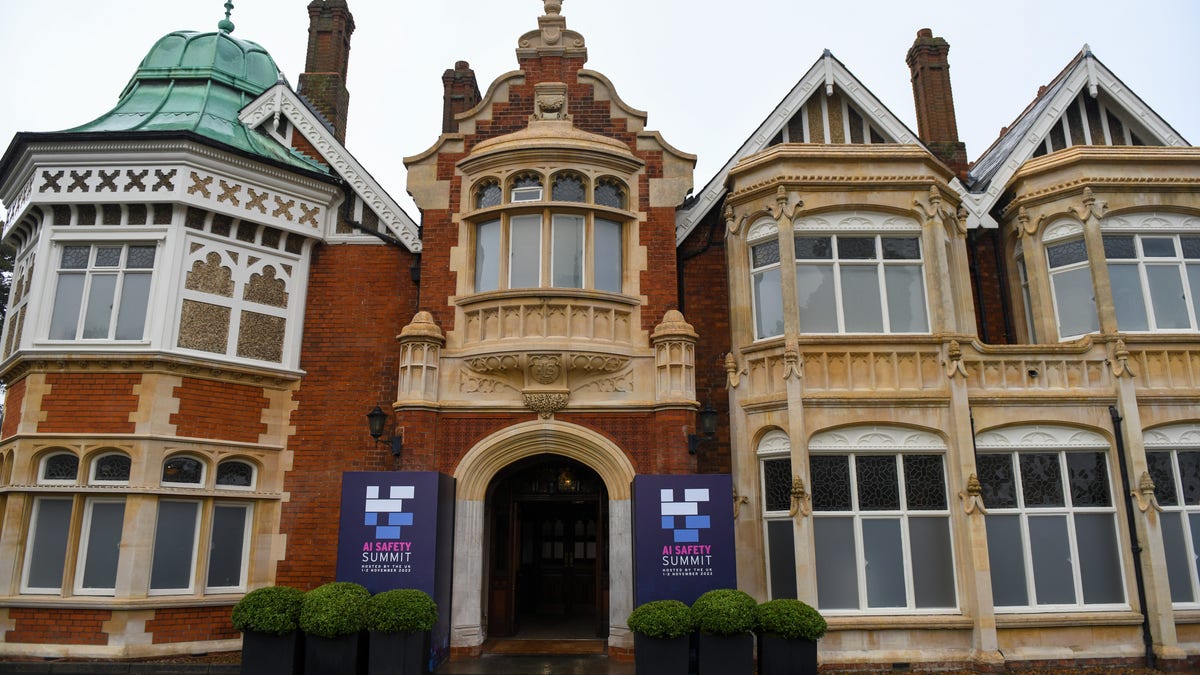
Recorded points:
(43,625)
(192,624)
(98,403)
(704,302)
(210,409)
(14,399)
(992,310)
(359,298)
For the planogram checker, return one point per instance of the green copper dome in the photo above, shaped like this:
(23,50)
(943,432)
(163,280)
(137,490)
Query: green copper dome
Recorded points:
(199,82)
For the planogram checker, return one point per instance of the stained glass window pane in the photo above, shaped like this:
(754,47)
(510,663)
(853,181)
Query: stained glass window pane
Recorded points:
(182,470)
(76,257)
(856,248)
(878,489)
(901,248)
(766,253)
(567,188)
(488,195)
(996,479)
(108,256)
(61,467)
(1088,477)
(112,468)
(527,188)
(1119,247)
(1163,474)
(140,258)
(1066,253)
(814,248)
(610,193)
(1191,247)
(831,482)
(1041,479)
(924,484)
(1189,474)
(777,484)
(235,474)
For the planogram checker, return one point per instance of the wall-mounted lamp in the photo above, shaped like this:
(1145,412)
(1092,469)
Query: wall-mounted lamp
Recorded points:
(376,421)
(708,428)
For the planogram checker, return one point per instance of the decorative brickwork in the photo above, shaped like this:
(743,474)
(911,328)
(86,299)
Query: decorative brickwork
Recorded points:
(98,403)
(43,625)
(192,624)
(220,410)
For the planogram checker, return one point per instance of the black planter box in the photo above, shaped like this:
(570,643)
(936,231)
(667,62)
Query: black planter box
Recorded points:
(660,656)
(398,653)
(266,653)
(726,654)
(345,655)
(779,656)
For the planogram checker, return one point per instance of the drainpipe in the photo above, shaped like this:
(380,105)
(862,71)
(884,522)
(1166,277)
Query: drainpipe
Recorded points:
(1139,578)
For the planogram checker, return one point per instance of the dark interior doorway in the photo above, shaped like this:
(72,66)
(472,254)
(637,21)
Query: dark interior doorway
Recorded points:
(548,551)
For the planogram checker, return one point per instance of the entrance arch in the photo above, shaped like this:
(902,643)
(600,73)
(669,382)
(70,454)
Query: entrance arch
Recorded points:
(475,473)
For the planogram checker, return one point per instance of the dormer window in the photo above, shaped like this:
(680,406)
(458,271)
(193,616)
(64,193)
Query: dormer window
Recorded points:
(527,188)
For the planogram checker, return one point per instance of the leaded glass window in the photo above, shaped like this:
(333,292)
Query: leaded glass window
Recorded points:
(774,452)
(1176,476)
(527,188)
(777,484)
(1052,529)
(568,187)
(185,470)
(488,194)
(610,192)
(235,474)
(60,468)
(112,468)
(881,527)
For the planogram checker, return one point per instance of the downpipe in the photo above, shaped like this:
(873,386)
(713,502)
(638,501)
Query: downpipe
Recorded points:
(1139,577)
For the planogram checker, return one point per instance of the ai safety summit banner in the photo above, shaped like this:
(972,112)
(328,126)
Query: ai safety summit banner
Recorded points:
(683,536)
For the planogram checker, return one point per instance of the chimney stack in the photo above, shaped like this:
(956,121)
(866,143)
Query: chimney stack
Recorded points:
(461,94)
(323,81)
(936,125)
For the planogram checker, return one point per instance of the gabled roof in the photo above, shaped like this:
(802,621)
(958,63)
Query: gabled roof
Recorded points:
(280,100)
(990,174)
(825,75)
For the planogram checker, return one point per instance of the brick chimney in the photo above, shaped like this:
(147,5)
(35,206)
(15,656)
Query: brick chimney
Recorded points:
(323,81)
(936,125)
(461,94)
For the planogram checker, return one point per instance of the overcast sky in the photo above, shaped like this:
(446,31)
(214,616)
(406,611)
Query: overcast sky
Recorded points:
(707,71)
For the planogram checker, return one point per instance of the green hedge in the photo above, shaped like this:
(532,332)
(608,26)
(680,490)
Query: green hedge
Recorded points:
(725,611)
(335,609)
(402,610)
(274,610)
(790,619)
(662,619)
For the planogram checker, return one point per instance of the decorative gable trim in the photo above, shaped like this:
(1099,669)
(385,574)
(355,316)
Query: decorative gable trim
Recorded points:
(280,100)
(823,76)
(1088,74)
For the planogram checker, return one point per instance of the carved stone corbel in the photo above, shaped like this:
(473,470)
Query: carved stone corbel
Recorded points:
(973,498)
(801,501)
(1091,207)
(738,500)
(791,360)
(954,364)
(950,219)
(782,209)
(1025,225)
(733,375)
(1144,494)
(1120,361)
(545,404)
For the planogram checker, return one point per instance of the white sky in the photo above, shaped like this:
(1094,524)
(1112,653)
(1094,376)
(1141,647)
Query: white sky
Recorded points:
(707,71)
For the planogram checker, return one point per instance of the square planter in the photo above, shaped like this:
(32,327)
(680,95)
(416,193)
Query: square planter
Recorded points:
(726,654)
(398,653)
(660,656)
(779,656)
(345,655)
(266,653)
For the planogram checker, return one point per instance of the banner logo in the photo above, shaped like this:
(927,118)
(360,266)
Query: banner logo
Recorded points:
(683,518)
(387,516)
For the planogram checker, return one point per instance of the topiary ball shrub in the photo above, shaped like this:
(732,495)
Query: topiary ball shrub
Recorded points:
(334,610)
(402,610)
(790,619)
(725,611)
(274,610)
(663,619)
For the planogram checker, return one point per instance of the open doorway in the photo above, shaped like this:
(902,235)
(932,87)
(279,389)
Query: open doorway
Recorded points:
(548,551)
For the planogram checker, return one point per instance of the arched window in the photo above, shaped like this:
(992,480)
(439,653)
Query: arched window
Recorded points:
(235,474)
(610,192)
(488,194)
(765,278)
(1052,521)
(881,521)
(111,468)
(1070,279)
(183,470)
(60,467)
(1173,457)
(775,462)
(568,187)
(527,187)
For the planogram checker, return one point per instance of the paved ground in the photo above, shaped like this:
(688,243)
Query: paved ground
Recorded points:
(536,665)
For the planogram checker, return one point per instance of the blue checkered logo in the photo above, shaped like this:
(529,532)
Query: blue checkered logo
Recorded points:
(683,517)
(386,514)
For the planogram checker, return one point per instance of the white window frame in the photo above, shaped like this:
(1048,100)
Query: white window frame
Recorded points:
(1060,441)
(774,445)
(547,220)
(895,442)
(41,469)
(85,545)
(94,464)
(1067,268)
(247,524)
(245,488)
(30,537)
(196,532)
(90,272)
(764,231)
(183,455)
(1174,439)
(1142,261)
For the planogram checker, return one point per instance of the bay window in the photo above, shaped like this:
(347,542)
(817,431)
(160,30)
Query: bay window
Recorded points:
(1051,530)
(775,463)
(102,292)
(1155,280)
(881,529)
(1173,459)
(767,289)
(1071,288)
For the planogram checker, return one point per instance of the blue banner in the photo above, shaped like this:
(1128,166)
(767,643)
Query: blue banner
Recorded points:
(683,536)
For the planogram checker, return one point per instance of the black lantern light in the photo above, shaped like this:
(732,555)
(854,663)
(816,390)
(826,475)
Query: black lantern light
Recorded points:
(376,422)
(708,428)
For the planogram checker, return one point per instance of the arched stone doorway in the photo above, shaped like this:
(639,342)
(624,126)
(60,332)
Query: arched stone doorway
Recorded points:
(477,472)
(546,534)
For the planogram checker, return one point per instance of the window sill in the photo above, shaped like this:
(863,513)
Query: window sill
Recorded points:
(467,301)
(1068,618)
(900,622)
(109,602)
